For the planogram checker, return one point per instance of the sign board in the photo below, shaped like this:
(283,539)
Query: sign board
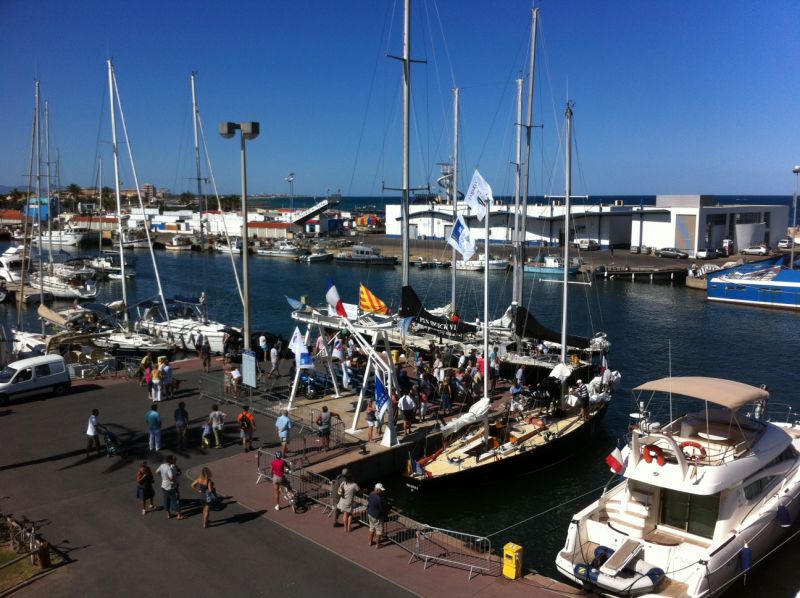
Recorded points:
(249,368)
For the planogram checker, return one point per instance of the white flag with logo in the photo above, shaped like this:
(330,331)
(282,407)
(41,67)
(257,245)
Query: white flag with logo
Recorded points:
(301,354)
(479,195)
(461,239)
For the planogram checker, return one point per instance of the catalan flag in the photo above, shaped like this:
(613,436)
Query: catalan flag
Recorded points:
(369,302)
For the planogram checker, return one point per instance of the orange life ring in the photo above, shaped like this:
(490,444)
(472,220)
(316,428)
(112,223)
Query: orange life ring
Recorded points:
(651,450)
(537,422)
(696,445)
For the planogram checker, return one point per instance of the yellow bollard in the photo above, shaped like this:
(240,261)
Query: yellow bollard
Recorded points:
(512,561)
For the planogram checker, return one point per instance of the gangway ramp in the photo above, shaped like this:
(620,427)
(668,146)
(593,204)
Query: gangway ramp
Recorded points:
(309,213)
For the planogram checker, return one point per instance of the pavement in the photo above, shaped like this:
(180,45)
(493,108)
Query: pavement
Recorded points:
(87,510)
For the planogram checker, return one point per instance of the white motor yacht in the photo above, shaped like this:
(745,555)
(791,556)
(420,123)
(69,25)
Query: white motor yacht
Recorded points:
(702,498)
(284,249)
(11,264)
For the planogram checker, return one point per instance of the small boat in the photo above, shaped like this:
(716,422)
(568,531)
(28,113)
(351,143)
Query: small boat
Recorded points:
(133,238)
(285,249)
(67,236)
(702,497)
(234,247)
(75,287)
(316,256)
(365,255)
(424,264)
(179,243)
(477,264)
(109,263)
(551,264)
(469,265)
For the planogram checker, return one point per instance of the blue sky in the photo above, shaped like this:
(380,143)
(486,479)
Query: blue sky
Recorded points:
(670,97)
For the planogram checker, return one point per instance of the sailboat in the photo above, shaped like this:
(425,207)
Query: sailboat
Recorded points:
(483,443)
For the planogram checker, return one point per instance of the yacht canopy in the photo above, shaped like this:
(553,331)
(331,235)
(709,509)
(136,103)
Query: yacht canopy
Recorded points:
(727,393)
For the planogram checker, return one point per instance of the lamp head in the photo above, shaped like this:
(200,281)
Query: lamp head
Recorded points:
(796,169)
(250,130)
(228,130)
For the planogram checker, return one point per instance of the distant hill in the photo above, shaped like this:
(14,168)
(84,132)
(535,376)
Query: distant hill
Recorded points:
(5,189)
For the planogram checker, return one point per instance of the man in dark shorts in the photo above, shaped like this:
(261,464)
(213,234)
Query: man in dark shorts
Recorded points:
(324,426)
(583,399)
(247,425)
(408,407)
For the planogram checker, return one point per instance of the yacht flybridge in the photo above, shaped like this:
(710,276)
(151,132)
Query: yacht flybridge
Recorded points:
(702,498)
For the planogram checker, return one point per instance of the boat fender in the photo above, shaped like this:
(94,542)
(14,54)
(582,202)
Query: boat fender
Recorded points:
(587,573)
(689,444)
(601,555)
(747,558)
(651,450)
(535,421)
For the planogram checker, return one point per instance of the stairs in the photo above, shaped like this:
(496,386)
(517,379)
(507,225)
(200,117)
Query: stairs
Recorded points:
(628,512)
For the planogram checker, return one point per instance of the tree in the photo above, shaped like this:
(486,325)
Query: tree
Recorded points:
(74,193)
(106,202)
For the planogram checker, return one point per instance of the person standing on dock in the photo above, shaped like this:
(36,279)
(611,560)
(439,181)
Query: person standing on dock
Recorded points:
(324,426)
(279,469)
(347,492)
(182,425)
(153,420)
(408,407)
(205,355)
(92,433)
(217,420)
(376,514)
(284,427)
(247,425)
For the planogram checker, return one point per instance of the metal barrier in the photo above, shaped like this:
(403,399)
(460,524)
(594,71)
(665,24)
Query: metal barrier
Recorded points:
(436,545)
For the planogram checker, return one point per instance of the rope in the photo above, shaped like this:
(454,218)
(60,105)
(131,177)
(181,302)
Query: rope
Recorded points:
(545,512)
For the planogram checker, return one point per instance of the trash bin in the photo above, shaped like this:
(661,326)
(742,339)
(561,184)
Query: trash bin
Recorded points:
(512,561)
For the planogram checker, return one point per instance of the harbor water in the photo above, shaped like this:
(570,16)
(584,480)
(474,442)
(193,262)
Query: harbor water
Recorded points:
(655,330)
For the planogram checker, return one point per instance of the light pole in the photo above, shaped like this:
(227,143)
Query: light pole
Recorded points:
(290,180)
(249,130)
(796,171)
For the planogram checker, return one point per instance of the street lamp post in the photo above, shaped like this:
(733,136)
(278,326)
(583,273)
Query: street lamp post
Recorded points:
(796,171)
(249,130)
(290,180)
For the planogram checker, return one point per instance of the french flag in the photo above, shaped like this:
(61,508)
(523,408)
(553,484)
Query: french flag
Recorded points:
(615,462)
(333,299)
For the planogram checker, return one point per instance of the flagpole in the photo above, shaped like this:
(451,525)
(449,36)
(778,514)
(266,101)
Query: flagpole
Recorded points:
(486,302)
(455,196)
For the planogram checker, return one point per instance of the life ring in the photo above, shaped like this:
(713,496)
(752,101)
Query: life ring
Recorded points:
(651,450)
(696,445)
(535,421)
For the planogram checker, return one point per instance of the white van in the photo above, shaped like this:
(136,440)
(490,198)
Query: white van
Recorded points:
(36,375)
(588,244)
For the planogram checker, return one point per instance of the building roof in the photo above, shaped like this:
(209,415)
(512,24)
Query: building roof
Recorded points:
(275,225)
(726,393)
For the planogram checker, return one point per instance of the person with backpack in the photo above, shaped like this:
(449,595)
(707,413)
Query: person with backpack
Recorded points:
(247,425)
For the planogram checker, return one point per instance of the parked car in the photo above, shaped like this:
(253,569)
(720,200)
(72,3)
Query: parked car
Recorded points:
(705,254)
(672,252)
(755,250)
(785,244)
(588,244)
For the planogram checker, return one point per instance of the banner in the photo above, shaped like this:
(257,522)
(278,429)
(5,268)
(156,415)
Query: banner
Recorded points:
(461,239)
(479,195)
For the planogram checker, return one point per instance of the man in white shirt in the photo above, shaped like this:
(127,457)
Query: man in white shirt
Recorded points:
(92,436)
(217,420)
(169,473)
(407,406)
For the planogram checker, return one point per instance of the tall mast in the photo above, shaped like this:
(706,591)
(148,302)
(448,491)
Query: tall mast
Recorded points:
(516,293)
(39,196)
(100,194)
(196,115)
(49,195)
(454,188)
(528,129)
(486,302)
(25,219)
(115,146)
(567,193)
(406,129)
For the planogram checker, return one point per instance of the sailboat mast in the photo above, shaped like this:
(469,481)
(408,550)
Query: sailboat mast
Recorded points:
(115,146)
(567,208)
(49,195)
(528,129)
(406,133)
(100,202)
(26,215)
(454,188)
(195,116)
(486,303)
(39,196)
(516,292)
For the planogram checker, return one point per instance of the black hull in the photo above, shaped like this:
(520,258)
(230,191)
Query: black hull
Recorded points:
(529,462)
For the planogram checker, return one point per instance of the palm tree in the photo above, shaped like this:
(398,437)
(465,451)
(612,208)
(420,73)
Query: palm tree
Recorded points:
(74,193)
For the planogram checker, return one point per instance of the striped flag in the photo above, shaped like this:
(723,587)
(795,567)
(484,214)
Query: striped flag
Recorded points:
(332,297)
(381,397)
(367,301)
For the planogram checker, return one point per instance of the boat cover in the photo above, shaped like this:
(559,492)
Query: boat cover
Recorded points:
(475,414)
(411,306)
(726,393)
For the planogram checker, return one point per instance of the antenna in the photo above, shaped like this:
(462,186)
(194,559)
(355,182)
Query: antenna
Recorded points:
(669,353)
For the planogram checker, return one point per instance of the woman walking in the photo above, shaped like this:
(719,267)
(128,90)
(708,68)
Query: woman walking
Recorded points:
(205,486)
(144,487)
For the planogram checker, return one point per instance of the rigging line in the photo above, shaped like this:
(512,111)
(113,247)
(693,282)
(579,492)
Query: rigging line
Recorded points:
(443,107)
(558,506)
(100,125)
(444,42)
(364,120)
(219,203)
(179,164)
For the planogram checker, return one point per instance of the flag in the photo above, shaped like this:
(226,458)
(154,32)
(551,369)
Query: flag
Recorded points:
(479,195)
(294,303)
(338,349)
(461,239)
(301,354)
(615,462)
(367,301)
(332,297)
(404,323)
(381,397)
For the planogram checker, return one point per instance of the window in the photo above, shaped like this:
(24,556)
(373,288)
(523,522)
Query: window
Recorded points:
(755,489)
(24,375)
(748,217)
(42,370)
(690,512)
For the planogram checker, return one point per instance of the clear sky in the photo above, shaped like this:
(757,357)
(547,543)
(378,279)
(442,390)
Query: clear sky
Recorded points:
(670,97)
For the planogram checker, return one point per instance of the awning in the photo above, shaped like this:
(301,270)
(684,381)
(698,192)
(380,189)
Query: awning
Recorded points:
(726,393)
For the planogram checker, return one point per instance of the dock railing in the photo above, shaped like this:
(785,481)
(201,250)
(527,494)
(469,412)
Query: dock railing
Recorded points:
(432,545)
